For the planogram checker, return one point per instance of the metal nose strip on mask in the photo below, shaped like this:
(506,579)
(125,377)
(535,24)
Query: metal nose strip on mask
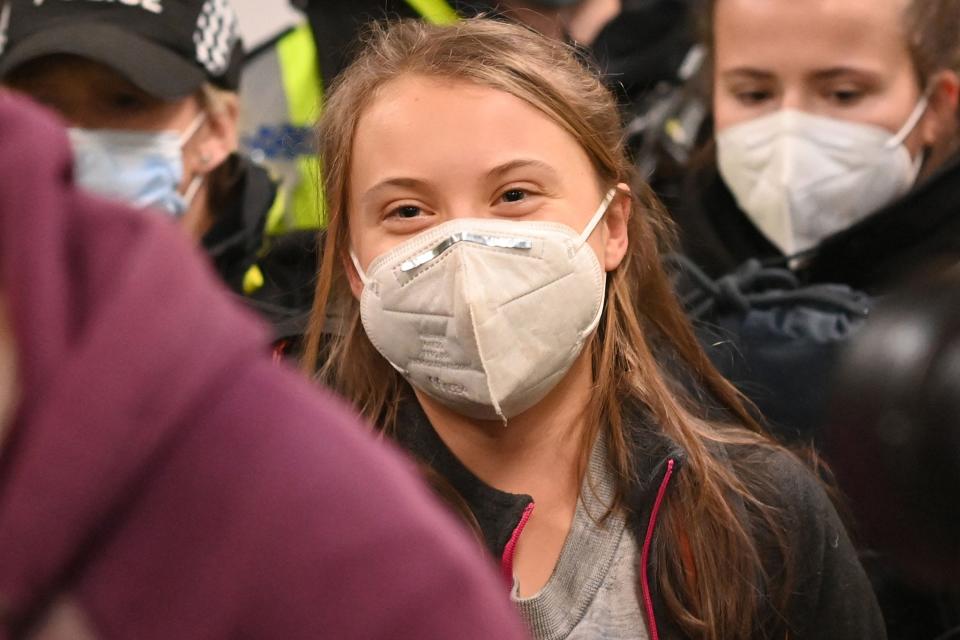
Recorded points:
(464,236)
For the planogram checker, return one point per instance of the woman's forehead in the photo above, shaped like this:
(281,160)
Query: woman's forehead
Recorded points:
(431,126)
(807,35)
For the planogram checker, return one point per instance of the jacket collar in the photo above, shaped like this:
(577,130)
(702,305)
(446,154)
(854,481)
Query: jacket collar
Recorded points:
(237,234)
(917,232)
(236,243)
(499,513)
(652,452)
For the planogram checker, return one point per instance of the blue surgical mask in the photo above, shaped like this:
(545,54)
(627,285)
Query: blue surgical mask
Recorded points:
(141,168)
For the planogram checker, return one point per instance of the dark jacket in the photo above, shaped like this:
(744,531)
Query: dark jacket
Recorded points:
(832,598)
(162,478)
(783,355)
(643,46)
(917,234)
(240,206)
(275,275)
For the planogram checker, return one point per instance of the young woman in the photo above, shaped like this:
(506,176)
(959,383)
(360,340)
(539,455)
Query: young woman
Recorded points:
(503,315)
(836,132)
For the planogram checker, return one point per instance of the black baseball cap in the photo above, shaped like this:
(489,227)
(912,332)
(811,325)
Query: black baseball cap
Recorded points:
(168,48)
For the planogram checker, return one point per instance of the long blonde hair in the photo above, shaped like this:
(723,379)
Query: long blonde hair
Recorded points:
(641,317)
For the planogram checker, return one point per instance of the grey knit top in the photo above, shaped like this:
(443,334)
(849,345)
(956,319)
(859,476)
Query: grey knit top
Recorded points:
(594,589)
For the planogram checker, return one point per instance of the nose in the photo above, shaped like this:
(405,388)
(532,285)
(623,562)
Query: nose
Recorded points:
(796,98)
(465,207)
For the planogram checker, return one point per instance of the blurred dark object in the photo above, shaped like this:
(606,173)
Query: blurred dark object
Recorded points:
(895,431)
(649,54)
(668,125)
(894,442)
(644,46)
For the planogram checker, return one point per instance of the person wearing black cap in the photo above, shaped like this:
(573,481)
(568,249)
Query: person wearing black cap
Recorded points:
(149,89)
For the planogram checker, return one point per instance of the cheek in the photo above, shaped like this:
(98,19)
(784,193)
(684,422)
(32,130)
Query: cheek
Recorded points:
(367,241)
(728,110)
(725,112)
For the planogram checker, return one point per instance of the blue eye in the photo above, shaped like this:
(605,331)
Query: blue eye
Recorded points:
(514,195)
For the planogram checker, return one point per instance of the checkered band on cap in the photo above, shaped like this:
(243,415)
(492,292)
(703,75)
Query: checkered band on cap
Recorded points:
(216,35)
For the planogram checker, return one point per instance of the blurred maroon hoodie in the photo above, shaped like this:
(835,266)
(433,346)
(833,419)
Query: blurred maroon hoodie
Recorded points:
(162,478)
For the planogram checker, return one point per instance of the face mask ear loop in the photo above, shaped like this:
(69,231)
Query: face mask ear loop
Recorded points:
(193,128)
(356,265)
(598,216)
(911,122)
(192,189)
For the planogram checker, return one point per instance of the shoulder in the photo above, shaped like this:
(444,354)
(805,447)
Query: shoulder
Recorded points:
(353,512)
(792,483)
(797,498)
(298,523)
(829,594)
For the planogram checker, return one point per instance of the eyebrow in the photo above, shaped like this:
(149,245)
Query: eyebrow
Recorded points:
(834,72)
(821,74)
(521,163)
(497,171)
(408,183)
(757,74)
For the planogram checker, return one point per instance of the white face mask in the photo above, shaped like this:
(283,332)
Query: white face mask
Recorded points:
(141,168)
(486,315)
(801,178)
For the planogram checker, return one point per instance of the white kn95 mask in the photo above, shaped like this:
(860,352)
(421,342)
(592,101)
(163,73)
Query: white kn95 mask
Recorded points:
(486,315)
(801,178)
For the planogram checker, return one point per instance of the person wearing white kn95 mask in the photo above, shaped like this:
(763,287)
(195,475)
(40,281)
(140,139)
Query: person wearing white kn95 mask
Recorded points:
(836,139)
(836,181)
(501,313)
(506,273)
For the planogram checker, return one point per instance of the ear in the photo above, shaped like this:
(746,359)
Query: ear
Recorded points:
(356,284)
(939,125)
(222,137)
(615,222)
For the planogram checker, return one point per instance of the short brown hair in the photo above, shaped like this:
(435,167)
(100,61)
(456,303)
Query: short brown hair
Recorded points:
(933,35)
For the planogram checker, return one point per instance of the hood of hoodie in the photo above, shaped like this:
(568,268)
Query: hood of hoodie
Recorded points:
(80,284)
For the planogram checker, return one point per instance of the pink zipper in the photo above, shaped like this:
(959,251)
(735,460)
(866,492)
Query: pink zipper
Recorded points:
(506,562)
(645,555)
